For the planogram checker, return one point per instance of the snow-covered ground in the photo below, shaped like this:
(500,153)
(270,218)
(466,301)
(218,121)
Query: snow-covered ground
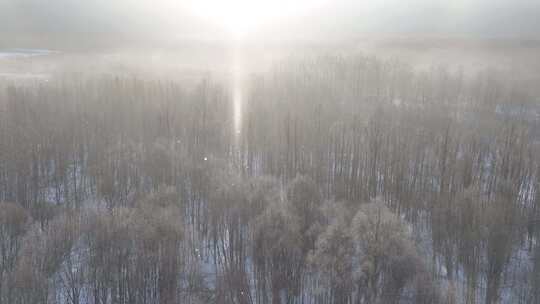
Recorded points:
(24,53)
(24,76)
(19,64)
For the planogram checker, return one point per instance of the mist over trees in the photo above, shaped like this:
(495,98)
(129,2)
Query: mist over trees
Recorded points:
(353,180)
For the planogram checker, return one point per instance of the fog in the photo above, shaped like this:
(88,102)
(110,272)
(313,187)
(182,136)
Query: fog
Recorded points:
(256,152)
(167,20)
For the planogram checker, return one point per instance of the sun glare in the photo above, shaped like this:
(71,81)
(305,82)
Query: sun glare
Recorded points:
(241,17)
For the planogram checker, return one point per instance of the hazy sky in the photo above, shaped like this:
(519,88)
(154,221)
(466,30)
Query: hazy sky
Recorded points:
(140,18)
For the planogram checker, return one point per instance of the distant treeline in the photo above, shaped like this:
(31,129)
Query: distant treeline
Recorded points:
(353,180)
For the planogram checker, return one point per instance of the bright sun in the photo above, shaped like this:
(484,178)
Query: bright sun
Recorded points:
(240,17)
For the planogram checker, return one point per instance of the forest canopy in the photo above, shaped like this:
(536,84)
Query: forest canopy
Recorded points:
(354,180)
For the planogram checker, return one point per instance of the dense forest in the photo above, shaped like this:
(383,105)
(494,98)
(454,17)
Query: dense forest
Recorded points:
(352,180)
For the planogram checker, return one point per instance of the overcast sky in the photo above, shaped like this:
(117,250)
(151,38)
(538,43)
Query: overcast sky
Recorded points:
(490,18)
